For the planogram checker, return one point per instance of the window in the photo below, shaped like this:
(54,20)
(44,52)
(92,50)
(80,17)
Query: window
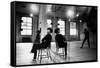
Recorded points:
(26,26)
(72,28)
(49,23)
(61,26)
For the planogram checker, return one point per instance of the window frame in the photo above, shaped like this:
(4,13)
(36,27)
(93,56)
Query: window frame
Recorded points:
(64,26)
(73,27)
(26,27)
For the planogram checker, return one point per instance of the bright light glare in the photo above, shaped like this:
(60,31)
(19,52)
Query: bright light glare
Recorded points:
(34,8)
(70,13)
(31,15)
(48,9)
(77,15)
(80,20)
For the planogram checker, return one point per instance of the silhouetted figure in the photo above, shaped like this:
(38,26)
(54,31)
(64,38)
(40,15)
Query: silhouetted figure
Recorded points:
(37,40)
(86,33)
(61,41)
(45,43)
(36,43)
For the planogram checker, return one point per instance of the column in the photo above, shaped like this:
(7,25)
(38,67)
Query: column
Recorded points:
(43,20)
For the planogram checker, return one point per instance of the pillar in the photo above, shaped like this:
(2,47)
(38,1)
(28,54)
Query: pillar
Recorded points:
(43,20)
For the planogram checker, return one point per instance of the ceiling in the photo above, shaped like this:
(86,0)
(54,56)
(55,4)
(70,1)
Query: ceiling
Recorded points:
(54,10)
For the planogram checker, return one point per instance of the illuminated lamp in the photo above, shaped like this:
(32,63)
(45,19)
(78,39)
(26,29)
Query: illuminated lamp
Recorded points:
(80,20)
(31,15)
(70,13)
(34,8)
(77,14)
(48,9)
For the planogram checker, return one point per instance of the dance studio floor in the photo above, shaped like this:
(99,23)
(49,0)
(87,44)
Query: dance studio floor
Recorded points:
(75,53)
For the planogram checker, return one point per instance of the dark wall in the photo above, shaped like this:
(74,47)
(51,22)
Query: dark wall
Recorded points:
(92,24)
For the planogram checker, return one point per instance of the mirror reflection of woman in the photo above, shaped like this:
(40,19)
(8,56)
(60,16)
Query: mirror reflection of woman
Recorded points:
(61,41)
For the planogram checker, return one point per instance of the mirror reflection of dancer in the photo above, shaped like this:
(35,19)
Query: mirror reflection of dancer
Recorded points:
(36,42)
(86,33)
(61,41)
(45,43)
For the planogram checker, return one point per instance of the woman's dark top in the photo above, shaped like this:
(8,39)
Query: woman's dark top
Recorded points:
(86,32)
(46,40)
(37,40)
(60,40)
(45,43)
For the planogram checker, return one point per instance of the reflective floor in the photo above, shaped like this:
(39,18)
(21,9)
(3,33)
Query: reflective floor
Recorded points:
(75,53)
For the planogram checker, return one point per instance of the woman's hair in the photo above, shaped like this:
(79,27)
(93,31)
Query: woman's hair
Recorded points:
(38,31)
(57,30)
(85,29)
(50,30)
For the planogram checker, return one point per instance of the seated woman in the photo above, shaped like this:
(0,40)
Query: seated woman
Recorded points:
(61,41)
(45,43)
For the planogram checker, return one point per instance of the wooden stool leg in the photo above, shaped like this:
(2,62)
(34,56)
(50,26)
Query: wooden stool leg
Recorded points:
(48,53)
(38,54)
(50,56)
(41,56)
(63,52)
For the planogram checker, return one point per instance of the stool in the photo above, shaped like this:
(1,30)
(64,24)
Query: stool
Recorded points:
(62,53)
(41,55)
(63,50)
